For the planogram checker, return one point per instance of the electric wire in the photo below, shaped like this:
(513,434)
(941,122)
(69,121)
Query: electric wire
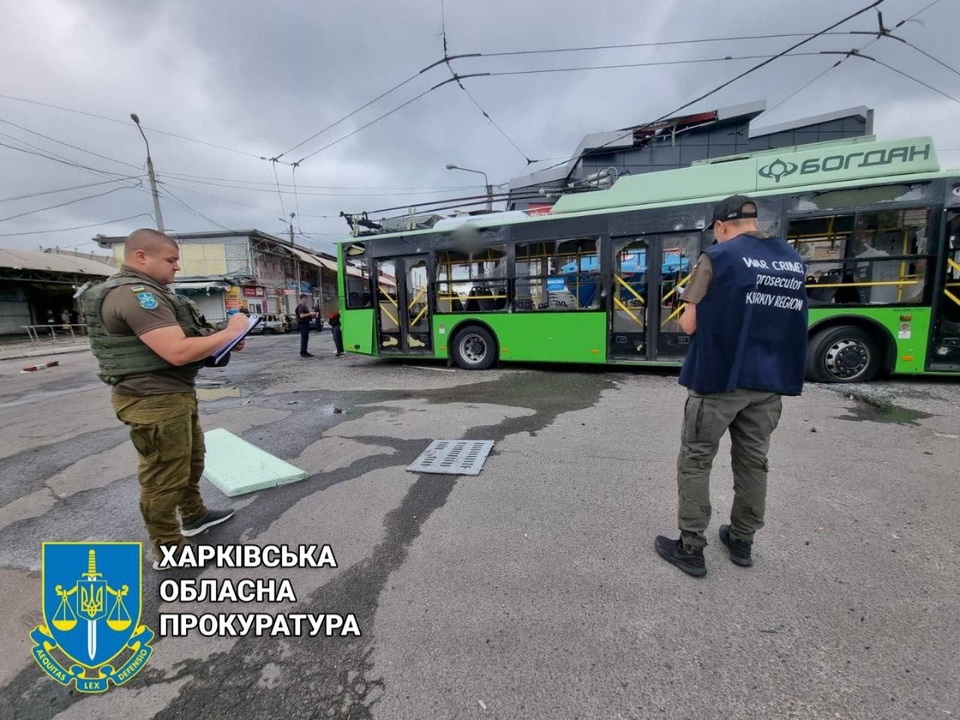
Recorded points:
(54,158)
(931,57)
(64,204)
(453,74)
(193,211)
(372,122)
(234,202)
(659,43)
(494,122)
(908,76)
(350,115)
(839,62)
(734,79)
(619,66)
(168,173)
(273,164)
(77,227)
(272,190)
(296,195)
(74,147)
(125,122)
(66,189)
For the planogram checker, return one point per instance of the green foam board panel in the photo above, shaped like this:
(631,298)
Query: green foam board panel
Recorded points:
(236,467)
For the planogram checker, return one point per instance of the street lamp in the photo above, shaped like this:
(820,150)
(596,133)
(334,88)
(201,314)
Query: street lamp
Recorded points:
(153,176)
(485,181)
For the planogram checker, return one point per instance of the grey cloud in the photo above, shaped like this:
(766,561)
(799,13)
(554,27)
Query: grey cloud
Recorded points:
(263,76)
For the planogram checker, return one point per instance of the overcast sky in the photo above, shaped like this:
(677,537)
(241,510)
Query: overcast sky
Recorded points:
(260,77)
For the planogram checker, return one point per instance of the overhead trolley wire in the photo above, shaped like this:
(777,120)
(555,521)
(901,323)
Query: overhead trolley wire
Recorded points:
(66,189)
(167,183)
(928,55)
(74,147)
(77,227)
(658,43)
(273,189)
(372,122)
(191,210)
(854,53)
(55,158)
(125,122)
(881,33)
(64,204)
(296,195)
(734,79)
(351,114)
(273,164)
(618,66)
(217,197)
(317,187)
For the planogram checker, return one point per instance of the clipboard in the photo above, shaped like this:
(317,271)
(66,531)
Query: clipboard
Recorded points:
(252,322)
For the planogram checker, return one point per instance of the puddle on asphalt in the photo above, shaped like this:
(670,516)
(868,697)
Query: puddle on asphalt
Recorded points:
(209,394)
(875,410)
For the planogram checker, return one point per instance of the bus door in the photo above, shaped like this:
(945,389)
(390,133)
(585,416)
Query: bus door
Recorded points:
(677,254)
(648,278)
(945,351)
(629,309)
(403,306)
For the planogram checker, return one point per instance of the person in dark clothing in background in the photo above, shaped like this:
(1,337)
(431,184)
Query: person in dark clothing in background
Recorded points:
(334,319)
(304,316)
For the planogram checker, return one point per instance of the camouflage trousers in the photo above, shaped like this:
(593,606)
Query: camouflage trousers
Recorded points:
(165,430)
(750,417)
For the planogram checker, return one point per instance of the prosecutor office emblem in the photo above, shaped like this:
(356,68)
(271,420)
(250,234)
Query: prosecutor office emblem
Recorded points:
(91,601)
(147,300)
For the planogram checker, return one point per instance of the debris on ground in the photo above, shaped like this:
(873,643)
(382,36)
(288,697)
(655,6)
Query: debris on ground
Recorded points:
(41,366)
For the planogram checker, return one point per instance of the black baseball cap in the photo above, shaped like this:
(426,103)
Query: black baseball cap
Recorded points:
(732,208)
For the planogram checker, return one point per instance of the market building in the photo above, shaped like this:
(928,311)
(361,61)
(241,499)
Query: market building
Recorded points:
(37,285)
(223,272)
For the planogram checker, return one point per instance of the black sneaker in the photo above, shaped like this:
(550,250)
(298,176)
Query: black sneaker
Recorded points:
(673,552)
(340,355)
(213,517)
(740,550)
(306,354)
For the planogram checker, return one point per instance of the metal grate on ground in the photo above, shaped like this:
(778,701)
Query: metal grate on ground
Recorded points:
(453,457)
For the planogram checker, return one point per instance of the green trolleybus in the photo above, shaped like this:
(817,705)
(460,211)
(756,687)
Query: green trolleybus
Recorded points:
(600,278)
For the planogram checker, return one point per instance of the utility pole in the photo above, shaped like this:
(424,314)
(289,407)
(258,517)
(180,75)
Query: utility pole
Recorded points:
(152,174)
(292,216)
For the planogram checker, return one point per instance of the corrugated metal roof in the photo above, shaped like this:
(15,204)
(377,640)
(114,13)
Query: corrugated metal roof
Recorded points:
(51,262)
(199,285)
(306,257)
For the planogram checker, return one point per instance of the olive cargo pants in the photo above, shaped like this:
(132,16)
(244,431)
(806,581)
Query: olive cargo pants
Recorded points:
(165,430)
(751,417)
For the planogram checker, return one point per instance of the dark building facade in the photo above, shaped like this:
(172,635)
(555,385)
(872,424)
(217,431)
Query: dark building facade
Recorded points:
(677,142)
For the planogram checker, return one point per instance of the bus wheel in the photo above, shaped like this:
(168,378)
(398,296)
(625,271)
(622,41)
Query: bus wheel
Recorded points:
(845,354)
(474,348)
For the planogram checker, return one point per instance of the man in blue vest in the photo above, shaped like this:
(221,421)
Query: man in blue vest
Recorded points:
(747,312)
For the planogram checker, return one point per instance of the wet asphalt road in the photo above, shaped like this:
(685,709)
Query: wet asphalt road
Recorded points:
(531,590)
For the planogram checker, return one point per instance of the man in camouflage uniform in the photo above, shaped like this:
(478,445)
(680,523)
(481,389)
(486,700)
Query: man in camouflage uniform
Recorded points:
(150,344)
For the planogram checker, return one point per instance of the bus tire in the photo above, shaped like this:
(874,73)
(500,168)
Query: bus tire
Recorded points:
(844,354)
(474,348)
